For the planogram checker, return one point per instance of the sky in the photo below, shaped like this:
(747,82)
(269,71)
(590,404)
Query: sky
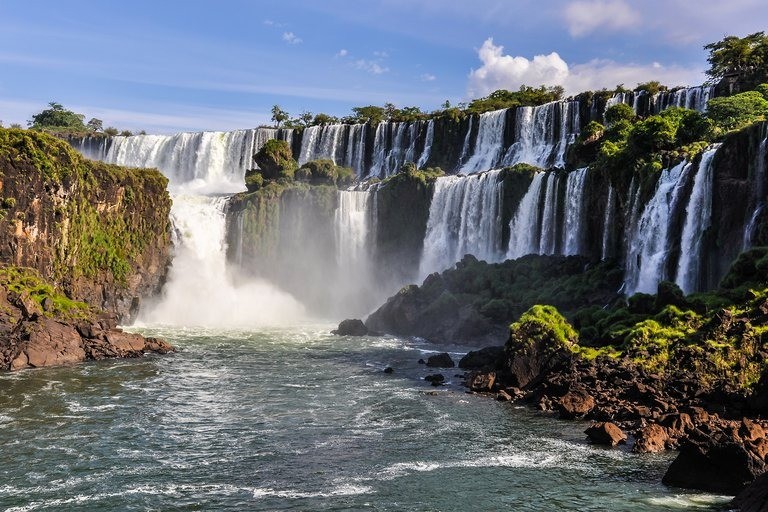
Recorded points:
(166,66)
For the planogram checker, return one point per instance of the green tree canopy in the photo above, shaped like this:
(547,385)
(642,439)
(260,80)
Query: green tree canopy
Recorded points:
(279,115)
(275,160)
(737,111)
(745,56)
(56,117)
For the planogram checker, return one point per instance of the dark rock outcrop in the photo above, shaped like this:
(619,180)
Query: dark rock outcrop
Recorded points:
(488,358)
(351,327)
(575,404)
(755,497)
(442,360)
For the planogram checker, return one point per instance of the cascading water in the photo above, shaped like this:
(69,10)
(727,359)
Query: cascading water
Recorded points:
(215,161)
(548,238)
(525,226)
(573,234)
(199,291)
(351,230)
(694,98)
(649,245)
(464,218)
(395,144)
(489,144)
(543,134)
(698,217)
(759,193)
(427,145)
(608,227)
(323,141)
(202,169)
(467,142)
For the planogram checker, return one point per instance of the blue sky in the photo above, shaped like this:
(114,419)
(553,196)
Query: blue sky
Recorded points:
(166,66)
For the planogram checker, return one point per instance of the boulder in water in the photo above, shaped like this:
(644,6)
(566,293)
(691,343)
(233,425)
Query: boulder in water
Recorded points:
(606,433)
(351,327)
(575,404)
(488,358)
(440,361)
(436,379)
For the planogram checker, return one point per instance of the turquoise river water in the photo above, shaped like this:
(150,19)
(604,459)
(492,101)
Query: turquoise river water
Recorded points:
(298,419)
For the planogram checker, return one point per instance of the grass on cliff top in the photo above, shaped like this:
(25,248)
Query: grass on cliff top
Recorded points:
(23,280)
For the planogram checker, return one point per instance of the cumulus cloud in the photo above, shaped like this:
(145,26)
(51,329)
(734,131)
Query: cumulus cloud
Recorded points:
(291,38)
(500,71)
(586,16)
(371,66)
(428,77)
(342,53)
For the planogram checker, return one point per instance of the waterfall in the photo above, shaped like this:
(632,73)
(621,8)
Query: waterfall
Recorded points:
(698,217)
(549,216)
(355,154)
(467,142)
(397,143)
(525,226)
(489,144)
(694,98)
(608,223)
(351,230)
(427,145)
(543,134)
(464,218)
(215,161)
(759,193)
(199,290)
(324,141)
(202,168)
(575,194)
(649,244)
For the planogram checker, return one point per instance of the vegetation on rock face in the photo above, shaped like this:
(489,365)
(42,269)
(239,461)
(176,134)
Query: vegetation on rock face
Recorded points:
(61,121)
(275,161)
(737,111)
(325,172)
(76,218)
(542,324)
(27,283)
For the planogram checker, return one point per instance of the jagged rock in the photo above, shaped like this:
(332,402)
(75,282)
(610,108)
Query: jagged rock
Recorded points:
(651,439)
(714,463)
(389,369)
(754,498)
(503,396)
(351,327)
(488,358)
(481,382)
(440,361)
(606,433)
(575,404)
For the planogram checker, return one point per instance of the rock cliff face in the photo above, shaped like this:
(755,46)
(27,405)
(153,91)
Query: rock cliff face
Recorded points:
(99,232)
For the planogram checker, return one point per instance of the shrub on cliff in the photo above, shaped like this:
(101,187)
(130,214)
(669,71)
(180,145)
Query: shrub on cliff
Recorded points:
(620,112)
(57,118)
(542,325)
(325,172)
(275,160)
(737,111)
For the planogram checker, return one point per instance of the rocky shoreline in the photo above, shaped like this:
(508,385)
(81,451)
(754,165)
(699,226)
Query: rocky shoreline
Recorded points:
(41,327)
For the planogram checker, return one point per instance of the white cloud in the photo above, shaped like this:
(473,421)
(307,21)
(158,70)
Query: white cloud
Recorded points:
(428,77)
(501,71)
(291,38)
(381,55)
(586,16)
(342,53)
(371,66)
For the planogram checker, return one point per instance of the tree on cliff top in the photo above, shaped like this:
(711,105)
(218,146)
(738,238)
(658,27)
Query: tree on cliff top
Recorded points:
(279,115)
(56,117)
(745,56)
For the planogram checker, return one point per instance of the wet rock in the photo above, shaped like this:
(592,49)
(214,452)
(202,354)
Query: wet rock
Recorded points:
(714,464)
(389,369)
(436,379)
(503,396)
(440,361)
(651,439)
(754,498)
(421,361)
(488,358)
(575,404)
(481,382)
(351,327)
(606,433)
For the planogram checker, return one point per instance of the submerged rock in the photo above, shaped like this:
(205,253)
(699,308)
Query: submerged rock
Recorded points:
(351,327)
(436,379)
